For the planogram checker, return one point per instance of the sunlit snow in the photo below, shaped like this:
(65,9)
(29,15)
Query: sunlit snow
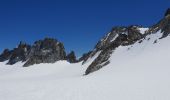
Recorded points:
(137,72)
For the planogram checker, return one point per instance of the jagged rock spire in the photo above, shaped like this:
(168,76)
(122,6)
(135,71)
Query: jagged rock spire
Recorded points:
(20,53)
(5,55)
(71,57)
(119,36)
(167,12)
(42,51)
(48,50)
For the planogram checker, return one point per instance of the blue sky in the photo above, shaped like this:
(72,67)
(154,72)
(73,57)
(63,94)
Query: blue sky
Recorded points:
(79,24)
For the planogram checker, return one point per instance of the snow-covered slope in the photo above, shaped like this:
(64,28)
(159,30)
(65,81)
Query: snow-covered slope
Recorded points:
(129,63)
(137,72)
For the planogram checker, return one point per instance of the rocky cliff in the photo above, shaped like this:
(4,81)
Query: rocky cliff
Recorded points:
(17,54)
(51,50)
(118,36)
(71,57)
(46,51)
(124,36)
(43,51)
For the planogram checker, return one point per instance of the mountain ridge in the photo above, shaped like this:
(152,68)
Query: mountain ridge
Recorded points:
(51,50)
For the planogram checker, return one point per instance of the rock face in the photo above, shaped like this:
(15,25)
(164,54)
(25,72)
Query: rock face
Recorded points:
(43,51)
(118,36)
(100,61)
(167,12)
(5,55)
(50,50)
(84,57)
(71,57)
(46,51)
(163,25)
(19,54)
(124,36)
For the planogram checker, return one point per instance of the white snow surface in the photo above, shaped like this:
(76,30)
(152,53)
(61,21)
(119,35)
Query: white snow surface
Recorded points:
(137,72)
(143,30)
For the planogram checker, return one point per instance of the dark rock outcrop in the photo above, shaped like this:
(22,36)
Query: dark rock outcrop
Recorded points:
(50,50)
(124,36)
(85,56)
(163,26)
(100,61)
(167,12)
(46,51)
(43,51)
(19,54)
(119,36)
(5,55)
(71,57)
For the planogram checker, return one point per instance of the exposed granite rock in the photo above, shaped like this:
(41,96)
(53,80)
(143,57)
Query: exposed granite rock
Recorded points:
(163,26)
(128,36)
(46,51)
(124,36)
(167,12)
(19,54)
(43,51)
(101,61)
(84,57)
(119,36)
(71,57)
(50,50)
(5,55)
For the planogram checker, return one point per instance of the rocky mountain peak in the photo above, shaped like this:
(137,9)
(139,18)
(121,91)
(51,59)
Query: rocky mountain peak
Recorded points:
(20,53)
(129,35)
(6,54)
(163,25)
(167,12)
(119,36)
(50,50)
(124,36)
(71,57)
(46,51)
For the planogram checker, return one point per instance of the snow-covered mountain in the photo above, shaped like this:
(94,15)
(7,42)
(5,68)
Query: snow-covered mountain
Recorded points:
(133,63)
(126,36)
(48,50)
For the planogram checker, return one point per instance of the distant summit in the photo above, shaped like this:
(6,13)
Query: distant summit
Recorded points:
(17,54)
(125,36)
(46,51)
(167,12)
(50,50)
(118,36)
